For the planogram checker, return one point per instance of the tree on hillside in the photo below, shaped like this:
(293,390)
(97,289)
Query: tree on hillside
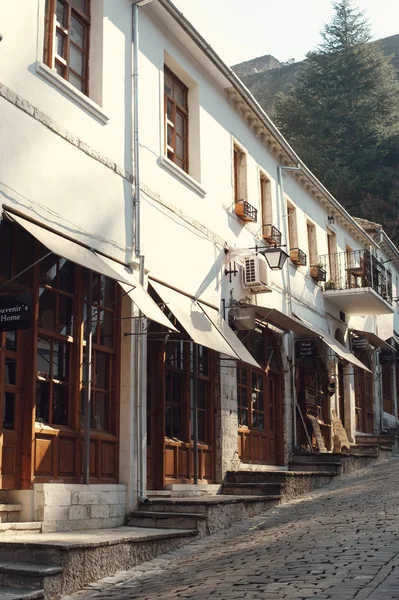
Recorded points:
(343,116)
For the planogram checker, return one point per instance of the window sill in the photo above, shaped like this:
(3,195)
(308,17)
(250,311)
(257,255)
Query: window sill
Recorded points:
(65,87)
(170,166)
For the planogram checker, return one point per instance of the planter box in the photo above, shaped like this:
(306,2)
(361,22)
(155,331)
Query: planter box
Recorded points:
(271,234)
(318,273)
(245,211)
(298,257)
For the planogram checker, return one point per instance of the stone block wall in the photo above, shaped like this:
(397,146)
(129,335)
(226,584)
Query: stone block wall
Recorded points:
(72,507)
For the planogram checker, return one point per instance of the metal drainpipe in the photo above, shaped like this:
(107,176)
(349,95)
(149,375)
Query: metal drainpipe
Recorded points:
(288,294)
(139,345)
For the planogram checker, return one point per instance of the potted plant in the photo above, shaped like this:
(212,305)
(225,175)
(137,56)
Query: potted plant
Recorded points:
(329,285)
(318,272)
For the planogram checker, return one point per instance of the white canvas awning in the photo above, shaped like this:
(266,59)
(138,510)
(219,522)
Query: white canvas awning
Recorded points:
(283,321)
(338,348)
(204,324)
(373,339)
(84,257)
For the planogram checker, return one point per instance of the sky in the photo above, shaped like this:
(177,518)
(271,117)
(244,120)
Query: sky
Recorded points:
(239,30)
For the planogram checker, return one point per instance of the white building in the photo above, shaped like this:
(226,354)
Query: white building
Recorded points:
(150,155)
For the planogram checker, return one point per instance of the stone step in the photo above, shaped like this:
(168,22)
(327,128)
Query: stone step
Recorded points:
(178,490)
(165,520)
(316,467)
(253,489)
(7,593)
(271,476)
(31,575)
(9,513)
(314,458)
(20,528)
(86,556)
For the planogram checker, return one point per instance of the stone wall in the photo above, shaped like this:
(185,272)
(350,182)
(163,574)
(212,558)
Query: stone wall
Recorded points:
(71,507)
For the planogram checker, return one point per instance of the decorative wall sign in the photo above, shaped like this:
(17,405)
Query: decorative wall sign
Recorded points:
(242,318)
(386,356)
(15,312)
(304,348)
(359,343)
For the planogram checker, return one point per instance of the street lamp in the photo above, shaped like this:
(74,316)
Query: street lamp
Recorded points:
(275,257)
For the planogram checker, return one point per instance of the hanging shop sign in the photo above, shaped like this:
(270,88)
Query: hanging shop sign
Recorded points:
(242,318)
(359,343)
(386,356)
(15,312)
(304,348)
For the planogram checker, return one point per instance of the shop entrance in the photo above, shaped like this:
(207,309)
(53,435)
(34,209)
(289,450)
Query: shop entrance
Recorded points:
(364,397)
(170,434)
(260,428)
(11,399)
(313,400)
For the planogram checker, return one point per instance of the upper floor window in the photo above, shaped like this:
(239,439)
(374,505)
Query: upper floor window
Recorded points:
(312,243)
(292,226)
(266,200)
(66,44)
(176,119)
(240,173)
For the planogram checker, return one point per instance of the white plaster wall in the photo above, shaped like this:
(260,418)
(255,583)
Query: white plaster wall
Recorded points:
(45,167)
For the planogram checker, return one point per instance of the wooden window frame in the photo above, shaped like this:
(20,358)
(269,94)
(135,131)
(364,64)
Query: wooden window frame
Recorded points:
(387,388)
(312,243)
(170,122)
(266,199)
(292,226)
(54,28)
(240,190)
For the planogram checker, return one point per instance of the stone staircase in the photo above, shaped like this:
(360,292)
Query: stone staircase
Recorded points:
(198,507)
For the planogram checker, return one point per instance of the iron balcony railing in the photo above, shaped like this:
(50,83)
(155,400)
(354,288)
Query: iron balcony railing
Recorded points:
(357,269)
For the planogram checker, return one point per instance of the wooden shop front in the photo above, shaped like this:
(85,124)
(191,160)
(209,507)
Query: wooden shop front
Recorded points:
(42,383)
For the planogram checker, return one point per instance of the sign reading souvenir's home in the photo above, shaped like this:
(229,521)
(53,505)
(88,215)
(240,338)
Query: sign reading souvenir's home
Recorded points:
(15,312)
(242,318)
(304,348)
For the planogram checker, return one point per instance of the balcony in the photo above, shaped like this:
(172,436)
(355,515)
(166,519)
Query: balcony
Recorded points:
(357,283)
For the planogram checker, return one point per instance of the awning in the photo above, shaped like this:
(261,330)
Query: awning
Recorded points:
(284,322)
(84,257)
(231,338)
(140,297)
(68,249)
(203,324)
(373,339)
(338,348)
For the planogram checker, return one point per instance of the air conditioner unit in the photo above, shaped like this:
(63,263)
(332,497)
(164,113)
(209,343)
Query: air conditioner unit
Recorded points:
(255,274)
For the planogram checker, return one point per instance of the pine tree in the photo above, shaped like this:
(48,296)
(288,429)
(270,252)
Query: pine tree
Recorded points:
(342,117)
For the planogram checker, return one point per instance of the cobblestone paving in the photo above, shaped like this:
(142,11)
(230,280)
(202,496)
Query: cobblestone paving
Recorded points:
(341,542)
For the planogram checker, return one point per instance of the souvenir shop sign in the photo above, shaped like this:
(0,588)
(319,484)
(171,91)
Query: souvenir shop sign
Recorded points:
(304,348)
(242,318)
(15,312)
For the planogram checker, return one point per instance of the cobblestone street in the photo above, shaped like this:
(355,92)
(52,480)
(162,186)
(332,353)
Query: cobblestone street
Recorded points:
(341,542)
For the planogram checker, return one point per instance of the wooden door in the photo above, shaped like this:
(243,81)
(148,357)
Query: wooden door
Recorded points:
(341,393)
(11,398)
(259,416)
(364,397)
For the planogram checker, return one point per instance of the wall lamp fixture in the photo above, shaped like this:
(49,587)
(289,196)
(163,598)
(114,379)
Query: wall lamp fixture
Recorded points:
(275,257)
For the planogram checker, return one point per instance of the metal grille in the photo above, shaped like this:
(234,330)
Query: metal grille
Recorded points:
(250,270)
(357,269)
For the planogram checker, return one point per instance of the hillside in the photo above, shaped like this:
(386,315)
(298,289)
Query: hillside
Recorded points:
(265,76)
